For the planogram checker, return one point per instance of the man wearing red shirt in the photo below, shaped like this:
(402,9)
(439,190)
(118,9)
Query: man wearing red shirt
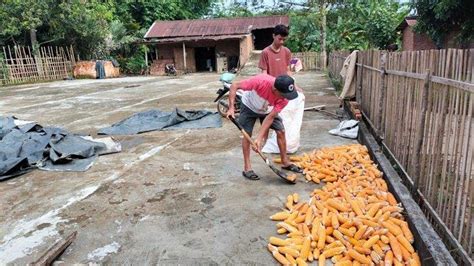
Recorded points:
(275,59)
(266,96)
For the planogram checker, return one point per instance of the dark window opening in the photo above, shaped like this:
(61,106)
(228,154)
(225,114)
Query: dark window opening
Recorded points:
(205,58)
(262,38)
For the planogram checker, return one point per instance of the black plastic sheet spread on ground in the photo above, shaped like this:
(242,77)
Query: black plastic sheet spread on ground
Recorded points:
(27,145)
(159,120)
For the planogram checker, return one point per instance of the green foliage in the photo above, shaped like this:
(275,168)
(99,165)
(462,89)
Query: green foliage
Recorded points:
(351,25)
(135,63)
(304,32)
(235,10)
(438,18)
(96,28)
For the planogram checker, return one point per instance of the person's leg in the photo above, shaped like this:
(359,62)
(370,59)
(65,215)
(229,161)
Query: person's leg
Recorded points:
(247,120)
(281,141)
(246,153)
(277,125)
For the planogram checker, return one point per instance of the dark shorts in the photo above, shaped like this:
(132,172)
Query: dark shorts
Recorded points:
(248,117)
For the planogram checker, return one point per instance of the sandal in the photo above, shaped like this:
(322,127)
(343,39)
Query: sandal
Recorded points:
(250,175)
(293,168)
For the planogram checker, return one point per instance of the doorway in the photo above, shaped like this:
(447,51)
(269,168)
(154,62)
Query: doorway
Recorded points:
(205,59)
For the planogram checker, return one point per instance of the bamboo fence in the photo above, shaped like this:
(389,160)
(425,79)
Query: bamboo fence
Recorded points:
(18,64)
(310,60)
(420,104)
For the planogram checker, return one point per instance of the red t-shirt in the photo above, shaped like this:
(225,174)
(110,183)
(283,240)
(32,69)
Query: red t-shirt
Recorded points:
(274,63)
(259,96)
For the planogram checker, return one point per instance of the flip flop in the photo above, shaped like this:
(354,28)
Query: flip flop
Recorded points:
(293,168)
(250,175)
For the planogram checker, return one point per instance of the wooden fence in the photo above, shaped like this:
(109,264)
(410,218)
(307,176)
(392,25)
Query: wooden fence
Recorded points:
(18,64)
(335,62)
(421,106)
(310,60)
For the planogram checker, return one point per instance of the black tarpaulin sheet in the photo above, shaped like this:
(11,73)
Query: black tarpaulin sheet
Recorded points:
(160,120)
(25,146)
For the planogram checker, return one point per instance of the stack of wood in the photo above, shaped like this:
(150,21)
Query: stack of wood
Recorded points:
(355,110)
(157,68)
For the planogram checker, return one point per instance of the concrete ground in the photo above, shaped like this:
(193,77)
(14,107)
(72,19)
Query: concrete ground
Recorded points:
(169,197)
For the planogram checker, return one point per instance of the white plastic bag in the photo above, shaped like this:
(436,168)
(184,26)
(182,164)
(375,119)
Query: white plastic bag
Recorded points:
(346,129)
(292,116)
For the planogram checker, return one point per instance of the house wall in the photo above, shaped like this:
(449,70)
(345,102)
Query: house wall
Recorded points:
(414,41)
(246,48)
(174,51)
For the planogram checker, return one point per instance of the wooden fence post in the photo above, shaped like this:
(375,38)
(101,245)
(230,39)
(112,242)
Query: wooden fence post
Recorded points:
(383,88)
(416,160)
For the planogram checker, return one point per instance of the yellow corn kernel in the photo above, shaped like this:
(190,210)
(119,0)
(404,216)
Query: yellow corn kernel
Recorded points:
(288,227)
(316,253)
(322,260)
(406,232)
(333,251)
(288,250)
(397,252)
(277,255)
(360,232)
(359,257)
(337,205)
(290,259)
(278,241)
(373,210)
(343,263)
(289,202)
(415,260)
(296,197)
(369,243)
(362,250)
(306,249)
(301,262)
(309,217)
(329,230)
(280,216)
(346,232)
(394,229)
(321,237)
(404,242)
(334,221)
(388,258)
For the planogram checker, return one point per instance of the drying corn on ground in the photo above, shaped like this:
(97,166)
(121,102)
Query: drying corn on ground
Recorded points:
(352,220)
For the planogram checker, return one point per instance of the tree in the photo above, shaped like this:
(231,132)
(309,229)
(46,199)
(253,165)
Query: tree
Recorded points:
(438,18)
(19,16)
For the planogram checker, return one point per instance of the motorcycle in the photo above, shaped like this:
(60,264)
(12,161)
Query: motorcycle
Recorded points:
(223,96)
(170,69)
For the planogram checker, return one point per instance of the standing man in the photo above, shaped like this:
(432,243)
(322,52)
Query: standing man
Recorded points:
(275,59)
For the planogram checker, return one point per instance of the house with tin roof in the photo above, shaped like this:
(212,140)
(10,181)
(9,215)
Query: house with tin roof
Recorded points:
(211,45)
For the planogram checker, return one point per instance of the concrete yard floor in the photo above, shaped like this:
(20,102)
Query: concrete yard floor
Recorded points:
(170,197)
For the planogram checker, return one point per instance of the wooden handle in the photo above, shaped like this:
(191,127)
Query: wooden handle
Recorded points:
(247,136)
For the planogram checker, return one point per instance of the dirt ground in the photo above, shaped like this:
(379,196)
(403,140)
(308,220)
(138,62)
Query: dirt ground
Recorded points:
(170,197)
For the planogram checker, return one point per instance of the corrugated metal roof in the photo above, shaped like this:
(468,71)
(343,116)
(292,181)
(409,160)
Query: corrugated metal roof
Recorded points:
(408,21)
(212,27)
(195,38)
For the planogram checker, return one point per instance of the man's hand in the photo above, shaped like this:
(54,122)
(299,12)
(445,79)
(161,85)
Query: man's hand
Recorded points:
(258,145)
(230,113)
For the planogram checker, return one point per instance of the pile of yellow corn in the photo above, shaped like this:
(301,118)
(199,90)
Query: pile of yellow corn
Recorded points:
(352,220)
